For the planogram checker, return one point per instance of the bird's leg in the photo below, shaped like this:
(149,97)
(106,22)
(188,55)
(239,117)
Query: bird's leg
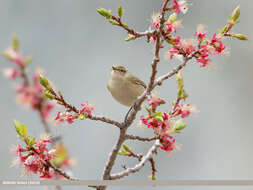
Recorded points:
(129,112)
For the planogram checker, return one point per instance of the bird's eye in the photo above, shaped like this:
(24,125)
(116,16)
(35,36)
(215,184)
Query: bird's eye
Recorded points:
(120,70)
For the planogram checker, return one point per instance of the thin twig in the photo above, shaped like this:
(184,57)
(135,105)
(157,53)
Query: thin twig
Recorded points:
(131,31)
(105,120)
(138,166)
(133,137)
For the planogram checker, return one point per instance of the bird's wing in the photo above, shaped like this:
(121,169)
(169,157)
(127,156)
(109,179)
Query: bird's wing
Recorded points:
(137,81)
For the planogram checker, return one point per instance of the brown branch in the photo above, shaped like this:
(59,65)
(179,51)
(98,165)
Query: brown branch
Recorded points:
(160,80)
(136,108)
(152,162)
(138,166)
(70,108)
(131,31)
(57,170)
(133,137)
(105,120)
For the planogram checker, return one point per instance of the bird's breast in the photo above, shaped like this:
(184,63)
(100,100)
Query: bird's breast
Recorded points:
(124,91)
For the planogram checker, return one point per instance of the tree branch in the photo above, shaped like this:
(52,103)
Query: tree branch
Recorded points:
(160,80)
(138,166)
(131,31)
(133,137)
(105,120)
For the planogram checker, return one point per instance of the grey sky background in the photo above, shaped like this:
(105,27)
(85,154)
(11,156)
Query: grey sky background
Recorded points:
(77,48)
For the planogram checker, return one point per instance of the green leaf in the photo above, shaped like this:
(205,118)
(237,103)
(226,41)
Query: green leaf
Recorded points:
(240,36)
(126,148)
(184,95)
(122,153)
(172,17)
(15,43)
(148,109)
(30,141)
(105,13)
(82,116)
(28,60)
(48,94)
(235,15)
(170,42)
(6,55)
(61,155)
(129,38)
(158,118)
(223,30)
(44,82)
(180,81)
(113,22)
(179,125)
(157,114)
(20,128)
(120,11)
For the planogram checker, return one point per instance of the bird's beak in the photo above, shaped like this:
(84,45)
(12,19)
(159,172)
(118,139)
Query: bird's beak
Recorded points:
(113,68)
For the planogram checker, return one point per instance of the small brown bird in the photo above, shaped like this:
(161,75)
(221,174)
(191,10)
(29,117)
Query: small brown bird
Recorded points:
(124,86)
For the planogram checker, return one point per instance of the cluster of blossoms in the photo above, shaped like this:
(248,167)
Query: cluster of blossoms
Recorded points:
(68,117)
(201,48)
(36,157)
(164,124)
(27,94)
(71,112)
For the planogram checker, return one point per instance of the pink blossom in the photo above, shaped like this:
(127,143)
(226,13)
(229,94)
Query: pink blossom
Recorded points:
(62,117)
(11,73)
(167,143)
(216,42)
(185,110)
(188,46)
(172,52)
(200,34)
(216,38)
(15,56)
(180,6)
(46,109)
(172,26)
(46,175)
(154,124)
(32,164)
(155,101)
(156,20)
(87,108)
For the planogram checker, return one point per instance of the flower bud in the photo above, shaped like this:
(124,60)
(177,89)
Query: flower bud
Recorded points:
(239,36)
(126,148)
(172,17)
(105,13)
(82,116)
(122,153)
(44,82)
(120,11)
(113,22)
(223,30)
(48,95)
(129,38)
(21,129)
(235,15)
(179,125)
(15,43)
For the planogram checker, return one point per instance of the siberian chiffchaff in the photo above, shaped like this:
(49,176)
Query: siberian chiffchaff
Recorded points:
(124,86)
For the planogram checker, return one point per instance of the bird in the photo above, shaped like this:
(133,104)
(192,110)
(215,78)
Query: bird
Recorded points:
(124,87)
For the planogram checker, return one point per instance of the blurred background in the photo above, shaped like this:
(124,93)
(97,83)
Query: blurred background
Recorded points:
(77,47)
